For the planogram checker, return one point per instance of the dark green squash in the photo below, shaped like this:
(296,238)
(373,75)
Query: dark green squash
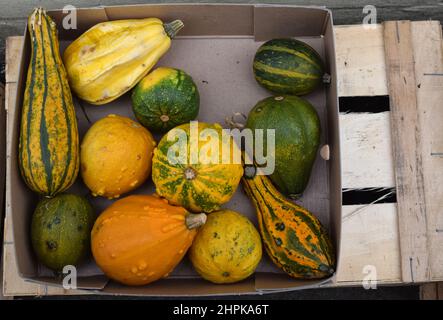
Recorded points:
(165,98)
(297,139)
(61,230)
(288,66)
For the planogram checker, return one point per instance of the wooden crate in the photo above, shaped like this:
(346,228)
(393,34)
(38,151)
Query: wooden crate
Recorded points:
(404,245)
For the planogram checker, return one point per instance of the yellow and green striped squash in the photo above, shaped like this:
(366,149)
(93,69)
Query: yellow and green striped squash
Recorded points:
(294,238)
(288,66)
(200,184)
(49,143)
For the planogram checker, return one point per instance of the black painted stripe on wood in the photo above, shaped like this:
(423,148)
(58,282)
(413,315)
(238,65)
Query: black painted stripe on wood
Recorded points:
(372,104)
(367,196)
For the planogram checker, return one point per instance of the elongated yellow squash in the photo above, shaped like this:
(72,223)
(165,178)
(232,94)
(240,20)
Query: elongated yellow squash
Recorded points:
(112,57)
(49,143)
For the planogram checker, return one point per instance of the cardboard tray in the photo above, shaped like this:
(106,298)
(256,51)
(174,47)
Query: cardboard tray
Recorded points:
(216,48)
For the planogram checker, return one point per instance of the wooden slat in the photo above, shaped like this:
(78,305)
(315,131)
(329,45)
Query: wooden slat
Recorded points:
(369,238)
(360,61)
(406,133)
(431,291)
(13,53)
(11,89)
(2,148)
(366,152)
(428,56)
(2,166)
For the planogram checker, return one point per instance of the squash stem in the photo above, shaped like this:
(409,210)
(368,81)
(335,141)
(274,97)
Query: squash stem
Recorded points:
(172,28)
(195,220)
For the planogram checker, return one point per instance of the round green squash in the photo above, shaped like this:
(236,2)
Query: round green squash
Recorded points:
(61,230)
(165,98)
(297,139)
(288,66)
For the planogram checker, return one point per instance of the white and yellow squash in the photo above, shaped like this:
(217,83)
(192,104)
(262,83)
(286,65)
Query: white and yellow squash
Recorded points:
(112,57)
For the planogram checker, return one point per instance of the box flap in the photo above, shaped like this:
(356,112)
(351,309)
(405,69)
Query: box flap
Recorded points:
(272,21)
(183,287)
(86,18)
(281,282)
(86,283)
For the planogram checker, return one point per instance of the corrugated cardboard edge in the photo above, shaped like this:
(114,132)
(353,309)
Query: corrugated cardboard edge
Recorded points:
(2,152)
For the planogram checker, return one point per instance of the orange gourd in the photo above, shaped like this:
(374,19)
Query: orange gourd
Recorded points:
(140,239)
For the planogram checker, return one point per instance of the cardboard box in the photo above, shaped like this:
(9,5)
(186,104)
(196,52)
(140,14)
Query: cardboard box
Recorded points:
(216,48)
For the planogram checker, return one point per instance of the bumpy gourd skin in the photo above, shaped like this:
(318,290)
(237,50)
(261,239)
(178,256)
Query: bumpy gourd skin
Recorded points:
(294,238)
(140,239)
(111,57)
(297,139)
(49,142)
(199,186)
(227,248)
(116,156)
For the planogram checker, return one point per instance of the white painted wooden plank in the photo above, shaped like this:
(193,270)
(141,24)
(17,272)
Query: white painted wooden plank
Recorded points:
(369,238)
(360,59)
(366,152)
(428,56)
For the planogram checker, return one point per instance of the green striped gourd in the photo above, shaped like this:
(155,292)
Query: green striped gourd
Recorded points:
(288,66)
(49,143)
(201,184)
(294,238)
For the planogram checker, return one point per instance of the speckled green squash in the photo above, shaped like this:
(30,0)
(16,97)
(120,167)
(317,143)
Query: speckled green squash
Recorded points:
(61,229)
(297,138)
(165,98)
(288,66)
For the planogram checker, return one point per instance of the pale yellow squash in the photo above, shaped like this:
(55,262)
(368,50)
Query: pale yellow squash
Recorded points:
(227,248)
(112,57)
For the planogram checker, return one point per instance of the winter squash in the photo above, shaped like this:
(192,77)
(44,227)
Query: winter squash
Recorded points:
(297,139)
(109,59)
(164,99)
(140,239)
(288,66)
(61,230)
(198,178)
(49,142)
(227,248)
(116,156)
(294,238)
